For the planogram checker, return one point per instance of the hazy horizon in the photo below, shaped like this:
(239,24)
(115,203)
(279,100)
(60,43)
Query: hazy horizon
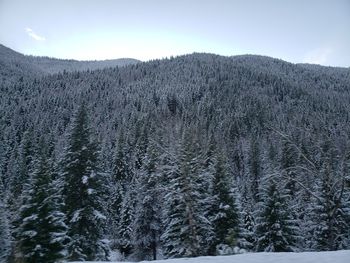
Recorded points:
(296,31)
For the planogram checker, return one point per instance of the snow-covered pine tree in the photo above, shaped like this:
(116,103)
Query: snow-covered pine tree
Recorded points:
(188,231)
(346,198)
(5,154)
(254,168)
(147,221)
(275,227)
(141,142)
(4,229)
(41,235)
(223,211)
(121,174)
(210,154)
(24,224)
(329,224)
(20,168)
(289,162)
(83,193)
(24,163)
(247,234)
(123,204)
(122,167)
(126,217)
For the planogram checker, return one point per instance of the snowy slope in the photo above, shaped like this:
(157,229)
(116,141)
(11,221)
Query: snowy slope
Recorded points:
(342,256)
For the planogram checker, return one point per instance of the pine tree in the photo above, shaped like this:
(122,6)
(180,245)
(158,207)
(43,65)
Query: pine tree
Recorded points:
(4,231)
(41,235)
(224,211)
(141,143)
(25,225)
(289,162)
(126,217)
(346,198)
(188,232)
(330,223)
(5,154)
(24,164)
(125,198)
(248,238)
(83,193)
(121,166)
(275,228)
(255,169)
(147,222)
(120,176)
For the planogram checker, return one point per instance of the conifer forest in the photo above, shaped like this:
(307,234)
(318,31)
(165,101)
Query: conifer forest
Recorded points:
(185,156)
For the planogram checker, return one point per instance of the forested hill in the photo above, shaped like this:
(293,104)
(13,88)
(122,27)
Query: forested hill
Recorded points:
(13,63)
(274,133)
(231,98)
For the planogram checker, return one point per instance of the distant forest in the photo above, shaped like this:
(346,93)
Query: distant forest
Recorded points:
(188,156)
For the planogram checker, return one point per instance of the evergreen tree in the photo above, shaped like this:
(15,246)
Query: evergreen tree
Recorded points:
(5,154)
(41,235)
(4,232)
(346,198)
(329,222)
(289,162)
(254,168)
(24,165)
(147,221)
(120,176)
(83,193)
(126,217)
(141,143)
(248,239)
(224,211)
(275,228)
(121,167)
(188,232)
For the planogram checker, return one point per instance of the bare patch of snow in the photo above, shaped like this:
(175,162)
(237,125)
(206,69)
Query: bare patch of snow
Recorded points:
(341,256)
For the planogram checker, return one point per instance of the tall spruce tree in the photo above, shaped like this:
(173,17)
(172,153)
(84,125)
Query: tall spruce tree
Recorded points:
(224,211)
(329,222)
(4,231)
(188,231)
(126,218)
(41,235)
(147,221)
(120,176)
(83,193)
(275,228)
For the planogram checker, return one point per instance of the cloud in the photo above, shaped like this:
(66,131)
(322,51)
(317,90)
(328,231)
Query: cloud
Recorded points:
(33,35)
(318,56)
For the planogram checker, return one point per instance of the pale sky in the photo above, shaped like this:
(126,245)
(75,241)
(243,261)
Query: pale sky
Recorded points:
(310,31)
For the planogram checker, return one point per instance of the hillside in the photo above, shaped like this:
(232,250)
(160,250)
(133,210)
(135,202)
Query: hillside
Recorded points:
(14,63)
(179,156)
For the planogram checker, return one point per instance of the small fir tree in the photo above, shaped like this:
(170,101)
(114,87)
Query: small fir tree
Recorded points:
(275,228)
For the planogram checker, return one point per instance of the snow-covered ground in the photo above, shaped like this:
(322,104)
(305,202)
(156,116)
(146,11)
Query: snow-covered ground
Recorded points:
(342,256)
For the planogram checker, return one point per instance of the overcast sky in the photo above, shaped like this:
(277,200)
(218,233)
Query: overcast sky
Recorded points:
(312,31)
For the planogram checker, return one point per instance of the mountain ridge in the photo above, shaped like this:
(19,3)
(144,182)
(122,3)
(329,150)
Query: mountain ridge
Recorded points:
(41,65)
(100,64)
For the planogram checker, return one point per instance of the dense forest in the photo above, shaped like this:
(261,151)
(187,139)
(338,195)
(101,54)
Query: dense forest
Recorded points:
(194,155)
